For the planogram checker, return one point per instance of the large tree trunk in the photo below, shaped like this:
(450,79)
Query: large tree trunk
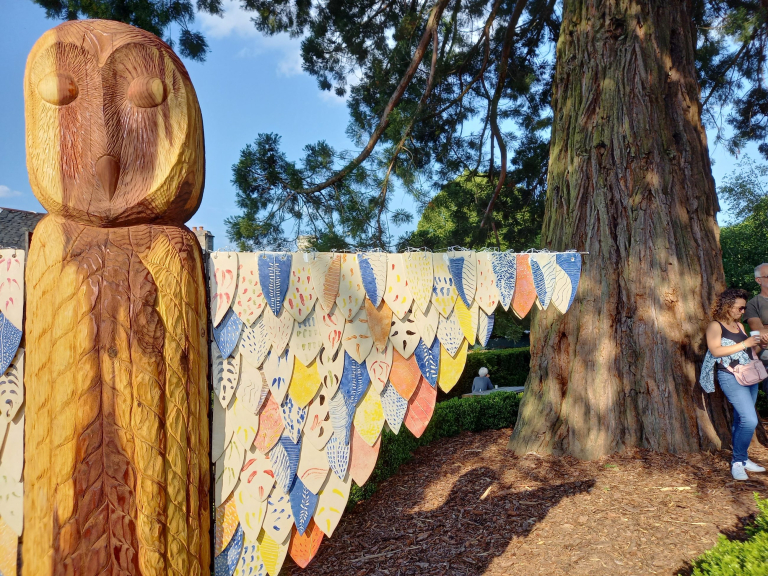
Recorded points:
(629,182)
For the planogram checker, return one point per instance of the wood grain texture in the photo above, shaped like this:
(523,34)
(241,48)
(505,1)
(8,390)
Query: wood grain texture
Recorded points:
(117,350)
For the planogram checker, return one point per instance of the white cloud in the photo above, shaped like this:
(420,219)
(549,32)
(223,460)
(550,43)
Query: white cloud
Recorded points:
(6,192)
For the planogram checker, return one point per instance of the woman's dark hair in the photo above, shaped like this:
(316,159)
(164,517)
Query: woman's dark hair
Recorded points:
(724,302)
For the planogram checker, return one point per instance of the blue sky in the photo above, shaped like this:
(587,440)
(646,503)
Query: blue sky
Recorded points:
(249,84)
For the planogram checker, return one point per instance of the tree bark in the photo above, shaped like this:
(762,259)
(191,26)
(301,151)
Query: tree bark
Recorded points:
(630,182)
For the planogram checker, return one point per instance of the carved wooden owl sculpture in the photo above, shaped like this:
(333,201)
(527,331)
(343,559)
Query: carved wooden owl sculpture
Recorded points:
(117,439)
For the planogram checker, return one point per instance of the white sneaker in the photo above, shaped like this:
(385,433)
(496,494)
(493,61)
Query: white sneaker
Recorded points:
(737,471)
(752,467)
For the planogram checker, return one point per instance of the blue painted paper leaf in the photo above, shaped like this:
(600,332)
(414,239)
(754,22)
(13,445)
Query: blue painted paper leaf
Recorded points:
(354,381)
(570,262)
(338,456)
(294,417)
(428,360)
(485,327)
(274,275)
(373,273)
(543,271)
(340,419)
(462,269)
(10,338)
(227,333)
(303,504)
(225,563)
(278,521)
(284,458)
(504,266)
(395,406)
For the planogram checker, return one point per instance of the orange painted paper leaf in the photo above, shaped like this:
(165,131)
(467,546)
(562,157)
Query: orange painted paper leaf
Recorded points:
(420,408)
(525,291)
(362,457)
(379,322)
(270,425)
(404,375)
(304,547)
(226,524)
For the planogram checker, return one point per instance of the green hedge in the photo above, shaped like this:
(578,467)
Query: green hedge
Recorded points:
(491,412)
(505,368)
(736,558)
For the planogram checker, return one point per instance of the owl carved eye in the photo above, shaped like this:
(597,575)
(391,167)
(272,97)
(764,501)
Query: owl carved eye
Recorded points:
(58,88)
(147,92)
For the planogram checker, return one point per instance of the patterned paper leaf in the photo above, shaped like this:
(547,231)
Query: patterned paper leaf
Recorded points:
(12,287)
(284,458)
(451,367)
(255,342)
(418,267)
(563,289)
(246,424)
(443,291)
(369,417)
(331,325)
(525,293)
(273,553)
(330,366)
(227,333)
(394,407)
(420,408)
(313,466)
(570,263)
(354,381)
(222,282)
(362,457)
(278,370)
(332,500)
(357,340)
(303,547)
(449,333)
(225,563)
(338,455)
(301,297)
(251,512)
(226,375)
(256,475)
(294,417)
(251,563)
(379,365)
(253,387)
(462,266)
(351,291)
(467,320)
(12,459)
(9,550)
(404,375)
(279,519)
(427,323)
(223,430)
(379,322)
(303,503)
(279,329)
(307,339)
(12,388)
(226,525)
(274,271)
(543,270)
(325,269)
(504,266)
(318,428)
(404,334)
(249,302)
(304,383)
(228,471)
(341,420)
(397,294)
(270,425)
(373,272)
(484,328)
(487,294)
(428,360)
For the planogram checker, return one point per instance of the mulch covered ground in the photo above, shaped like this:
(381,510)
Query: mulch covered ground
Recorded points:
(465,505)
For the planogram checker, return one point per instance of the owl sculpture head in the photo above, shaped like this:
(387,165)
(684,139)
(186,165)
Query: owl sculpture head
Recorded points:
(114,130)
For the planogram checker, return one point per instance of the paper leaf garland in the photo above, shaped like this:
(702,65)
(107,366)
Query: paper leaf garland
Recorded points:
(570,263)
(340,417)
(325,270)
(270,426)
(379,365)
(418,268)
(303,547)
(379,322)
(304,383)
(394,407)
(351,291)
(294,417)
(12,286)
(300,298)
(249,302)
(467,320)
(373,272)
(504,266)
(331,502)
(303,502)
(331,325)
(273,553)
(357,340)
(318,428)
(354,381)
(222,283)
(449,333)
(487,294)
(225,563)
(362,457)
(307,339)
(443,291)
(284,458)
(543,272)
(484,328)
(525,293)
(397,294)
(278,370)
(227,333)
(369,417)
(462,266)
(451,367)
(420,408)
(226,525)
(404,375)
(255,342)
(12,388)
(330,366)
(313,467)
(279,519)
(250,511)
(256,475)
(226,375)
(428,360)
(274,272)
(427,323)
(404,334)
(338,455)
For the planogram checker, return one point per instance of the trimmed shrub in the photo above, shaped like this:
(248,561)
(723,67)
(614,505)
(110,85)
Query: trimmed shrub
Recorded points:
(491,412)
(762,404)
(736,558)
(506,368)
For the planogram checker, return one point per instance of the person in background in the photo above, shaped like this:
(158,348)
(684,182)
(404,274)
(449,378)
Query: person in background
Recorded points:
(756,315)
(481,383)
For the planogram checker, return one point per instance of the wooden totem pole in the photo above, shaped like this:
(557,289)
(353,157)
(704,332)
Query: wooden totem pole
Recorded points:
(117,447)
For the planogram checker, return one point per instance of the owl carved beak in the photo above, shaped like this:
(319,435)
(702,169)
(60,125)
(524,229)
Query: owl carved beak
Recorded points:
(108,173)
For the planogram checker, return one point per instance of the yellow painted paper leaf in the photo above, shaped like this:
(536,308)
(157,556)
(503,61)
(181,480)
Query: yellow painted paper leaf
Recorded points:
(451,367)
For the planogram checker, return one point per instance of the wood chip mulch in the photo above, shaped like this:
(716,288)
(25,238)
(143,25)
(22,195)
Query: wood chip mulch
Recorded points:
(467,506)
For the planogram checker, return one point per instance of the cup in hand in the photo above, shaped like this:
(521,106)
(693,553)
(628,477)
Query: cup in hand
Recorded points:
(756,335)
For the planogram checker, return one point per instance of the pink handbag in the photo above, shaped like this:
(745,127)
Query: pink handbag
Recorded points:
(750,373)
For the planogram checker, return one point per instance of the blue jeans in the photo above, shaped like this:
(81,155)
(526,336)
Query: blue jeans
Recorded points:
(742,398)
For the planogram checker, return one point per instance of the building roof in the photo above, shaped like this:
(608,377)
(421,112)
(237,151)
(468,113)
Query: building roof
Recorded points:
(15,225)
